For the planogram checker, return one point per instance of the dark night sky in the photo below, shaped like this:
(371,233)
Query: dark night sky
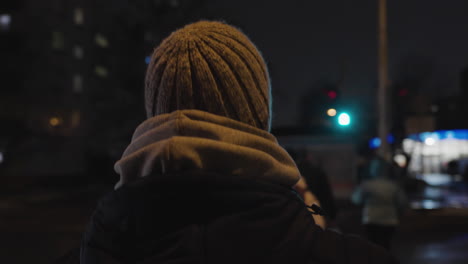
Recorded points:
(306,41)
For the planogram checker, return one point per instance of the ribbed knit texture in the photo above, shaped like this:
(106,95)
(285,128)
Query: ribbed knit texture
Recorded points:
(212,67)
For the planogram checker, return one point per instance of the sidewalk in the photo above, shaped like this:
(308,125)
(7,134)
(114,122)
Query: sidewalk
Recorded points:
(433,237)
(435,231)
(441,191)
(41,223)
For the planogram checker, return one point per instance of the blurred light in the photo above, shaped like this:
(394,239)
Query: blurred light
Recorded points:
(344,119)
(402,92)
(448,145)
(5,21)
(78,16)
(77,83)
(449,134)
(331,112)
(54,121)
(432,192)
(434,135)
(101,71)
(437,179)
(408,144)
(400,159)
(1,157)
(434,108)
(461,134)
(78,52)
(147,59)
(374,143)
(390,139)
(101,40)
(430,204)
(429,141)
(57,40)
(332,94)
(425,204)
(75,118)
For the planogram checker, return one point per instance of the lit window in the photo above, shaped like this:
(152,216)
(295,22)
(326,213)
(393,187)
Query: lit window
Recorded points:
(78,16)
(101,40)
(78,52)
(75,118)
(54,121)
(77,83)
(101,71)
(57,40)
(5,21)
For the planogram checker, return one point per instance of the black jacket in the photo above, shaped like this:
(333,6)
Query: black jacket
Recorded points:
(206,218)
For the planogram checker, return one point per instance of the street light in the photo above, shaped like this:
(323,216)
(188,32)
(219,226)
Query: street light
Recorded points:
(331,112)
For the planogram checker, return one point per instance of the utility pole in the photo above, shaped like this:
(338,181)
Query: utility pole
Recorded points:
(382,105)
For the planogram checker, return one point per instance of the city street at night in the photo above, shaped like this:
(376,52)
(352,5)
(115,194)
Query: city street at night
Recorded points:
(215,131)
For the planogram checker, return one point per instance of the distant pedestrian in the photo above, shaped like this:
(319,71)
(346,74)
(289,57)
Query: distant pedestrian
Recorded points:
(203,180)
(383,202)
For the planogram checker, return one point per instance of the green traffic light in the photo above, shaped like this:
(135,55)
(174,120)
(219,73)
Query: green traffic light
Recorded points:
(344,119)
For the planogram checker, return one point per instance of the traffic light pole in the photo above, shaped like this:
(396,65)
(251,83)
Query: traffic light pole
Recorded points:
(382,103)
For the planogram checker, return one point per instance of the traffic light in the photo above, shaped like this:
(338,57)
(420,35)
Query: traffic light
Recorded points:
(333,104)
(332,94)
(344,119)
(403,92)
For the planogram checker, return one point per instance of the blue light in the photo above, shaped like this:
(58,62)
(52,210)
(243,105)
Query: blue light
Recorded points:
(374,143)
(460,134)
(147,59)
(390,139)
(449,134)
(429,135)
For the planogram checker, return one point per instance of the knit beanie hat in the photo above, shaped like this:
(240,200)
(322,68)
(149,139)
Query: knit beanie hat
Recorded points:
(212,67)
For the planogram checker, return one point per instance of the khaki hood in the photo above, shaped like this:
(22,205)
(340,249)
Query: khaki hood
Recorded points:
(188,140)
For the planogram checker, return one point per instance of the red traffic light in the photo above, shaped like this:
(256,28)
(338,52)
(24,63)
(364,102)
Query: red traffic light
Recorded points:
(332,94)
(403,92)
